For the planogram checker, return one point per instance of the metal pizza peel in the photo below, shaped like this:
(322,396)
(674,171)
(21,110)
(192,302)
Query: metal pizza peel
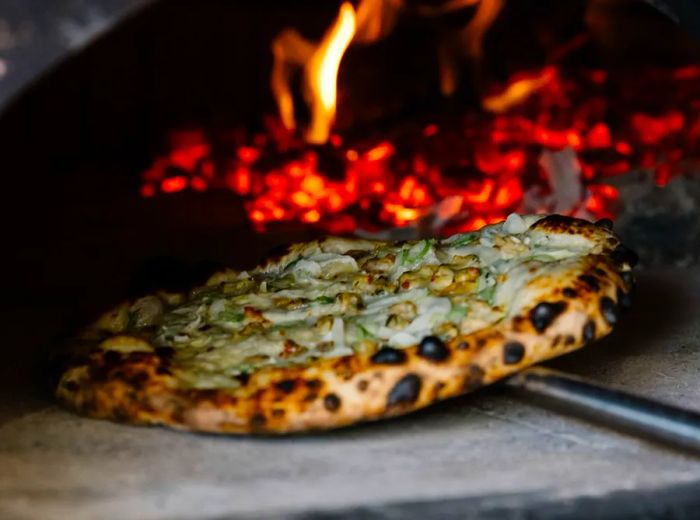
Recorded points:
(670,425)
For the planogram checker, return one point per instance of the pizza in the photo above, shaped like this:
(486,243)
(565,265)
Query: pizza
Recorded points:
(343,330)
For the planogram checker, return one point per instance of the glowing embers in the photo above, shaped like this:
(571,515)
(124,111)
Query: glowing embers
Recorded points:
(558,149)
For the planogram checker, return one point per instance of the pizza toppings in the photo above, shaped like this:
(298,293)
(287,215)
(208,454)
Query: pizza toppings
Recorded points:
(341,297)
(342,330)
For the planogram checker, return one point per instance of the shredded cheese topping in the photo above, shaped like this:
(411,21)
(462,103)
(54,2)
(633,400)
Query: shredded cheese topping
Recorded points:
(340,297)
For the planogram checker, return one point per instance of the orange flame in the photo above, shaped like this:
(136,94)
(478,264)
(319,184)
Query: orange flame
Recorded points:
(517,92)
(322,74)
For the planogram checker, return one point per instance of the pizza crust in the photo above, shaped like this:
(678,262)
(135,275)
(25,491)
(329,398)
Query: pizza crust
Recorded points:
(576,302)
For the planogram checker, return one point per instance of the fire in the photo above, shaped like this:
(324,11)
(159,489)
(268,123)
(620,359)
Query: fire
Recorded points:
(547,140)
(321,63)
(322,74)
(517,92)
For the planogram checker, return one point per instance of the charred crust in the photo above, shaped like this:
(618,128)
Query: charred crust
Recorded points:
(258,420)
(406,391)
(463,345)
(313,384)
(570,339)
(389,356)
(513,353)
(474,378)
(589,331)
(599,271)
(480,343)
(556,223)
(362,385)
(569,292)
(243,378)
(624,255)
(433,349)
(608,308)
(604,223)
(591,281)
(286,386)
(543,314)
(165,352)
(331,402)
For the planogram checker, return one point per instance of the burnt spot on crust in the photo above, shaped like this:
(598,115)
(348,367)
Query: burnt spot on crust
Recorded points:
(608,308)
(433,349)
(623,299)
(518,322)
(589,331)
(556,223)
(543,314)
(591,281)
(165,352)
(258,420)
(474,378)
(389,356)
(570,339)
(406,391)
(287,386)
(569,292)
(313,384)
(278,413)
(362,385)
(463,345)
(624,255)
(331,402)
(604,223)
(513,352)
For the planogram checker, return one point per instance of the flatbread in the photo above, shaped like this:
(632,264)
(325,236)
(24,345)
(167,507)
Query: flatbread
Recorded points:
(342,330)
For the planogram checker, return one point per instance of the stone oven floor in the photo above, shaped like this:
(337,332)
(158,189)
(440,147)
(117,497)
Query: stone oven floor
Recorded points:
(488,454)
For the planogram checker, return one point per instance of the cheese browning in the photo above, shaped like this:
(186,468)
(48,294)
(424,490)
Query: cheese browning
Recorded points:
(339,297)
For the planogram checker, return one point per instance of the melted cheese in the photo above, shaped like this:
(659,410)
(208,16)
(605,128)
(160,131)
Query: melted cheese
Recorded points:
(346,296)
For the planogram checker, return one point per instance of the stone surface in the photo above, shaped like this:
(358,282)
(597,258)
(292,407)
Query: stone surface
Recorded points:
(489,454)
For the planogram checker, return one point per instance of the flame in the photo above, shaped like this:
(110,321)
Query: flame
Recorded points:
(517,92)
(322,74)
(440,172)
(289,49)
(469,41)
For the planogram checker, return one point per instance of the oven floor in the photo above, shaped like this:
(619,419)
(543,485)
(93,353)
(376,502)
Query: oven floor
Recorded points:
(487,454)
